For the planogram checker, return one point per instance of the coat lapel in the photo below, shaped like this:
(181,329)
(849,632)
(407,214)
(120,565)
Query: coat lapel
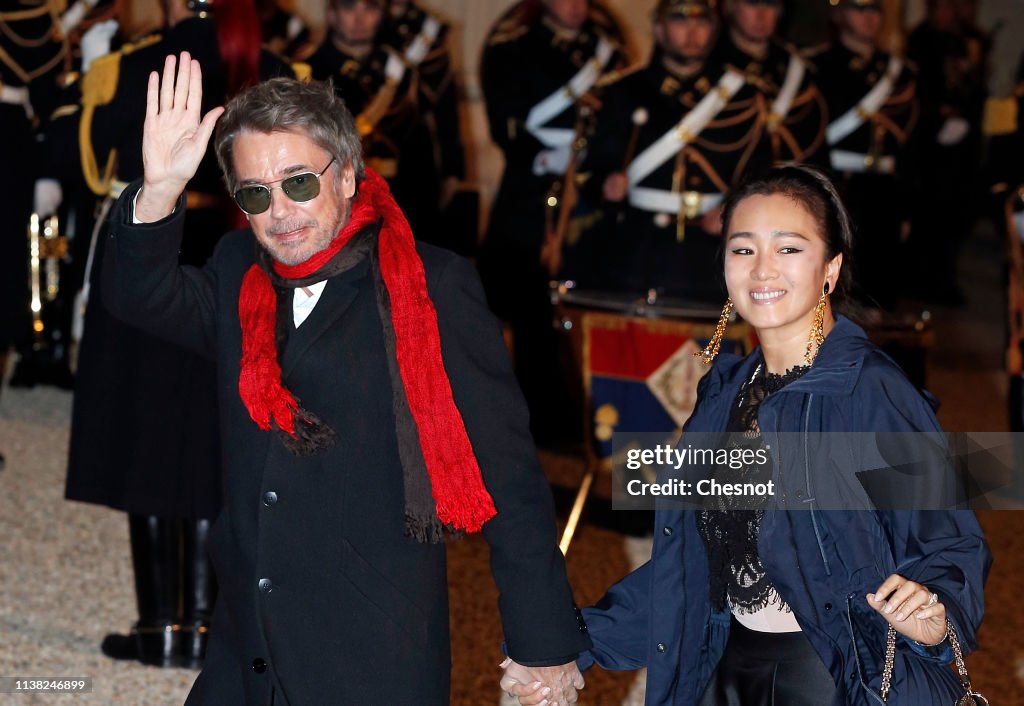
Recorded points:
(337,297)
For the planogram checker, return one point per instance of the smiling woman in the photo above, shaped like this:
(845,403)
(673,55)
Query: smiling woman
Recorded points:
(749,602)
(787,239)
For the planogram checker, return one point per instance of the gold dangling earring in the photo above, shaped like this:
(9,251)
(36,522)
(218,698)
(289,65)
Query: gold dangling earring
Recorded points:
(711,350)
(817,336)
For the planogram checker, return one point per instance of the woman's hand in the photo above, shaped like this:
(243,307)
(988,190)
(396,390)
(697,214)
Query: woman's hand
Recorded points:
(911,609)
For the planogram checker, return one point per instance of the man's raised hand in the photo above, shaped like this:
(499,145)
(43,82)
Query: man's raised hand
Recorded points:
(174,139)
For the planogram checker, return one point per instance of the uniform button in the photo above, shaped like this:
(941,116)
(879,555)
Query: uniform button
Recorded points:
(259,665)
(828,606)
(667,531)
(266,586)
(269,498)
(853,675)
(661,647)
(799,494)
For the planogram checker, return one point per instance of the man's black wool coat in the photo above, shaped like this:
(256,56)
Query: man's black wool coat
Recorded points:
(323,599)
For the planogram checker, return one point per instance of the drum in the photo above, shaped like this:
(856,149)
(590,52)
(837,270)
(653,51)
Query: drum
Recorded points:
(635,359)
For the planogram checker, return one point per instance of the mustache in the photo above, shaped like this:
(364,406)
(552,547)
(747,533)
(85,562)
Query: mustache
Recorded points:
(282,227)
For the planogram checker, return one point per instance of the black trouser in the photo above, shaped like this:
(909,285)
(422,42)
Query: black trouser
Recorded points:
(768,669)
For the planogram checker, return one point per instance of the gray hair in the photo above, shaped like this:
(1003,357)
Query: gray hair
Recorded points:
(312,109)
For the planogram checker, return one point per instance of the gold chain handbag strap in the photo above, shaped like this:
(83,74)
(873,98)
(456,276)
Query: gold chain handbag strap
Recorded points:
(970,697)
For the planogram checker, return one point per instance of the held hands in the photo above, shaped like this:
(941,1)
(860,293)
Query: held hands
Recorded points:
(541,686)
(173,137)
(910,609)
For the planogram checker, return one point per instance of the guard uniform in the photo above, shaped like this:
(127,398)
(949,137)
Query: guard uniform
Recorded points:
(390,102)
(31,54)
(539,82)
(873,110)
(692,139)
(795,111)
(144,431)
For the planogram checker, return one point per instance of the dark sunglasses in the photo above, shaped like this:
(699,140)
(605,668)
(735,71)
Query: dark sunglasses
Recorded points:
(300,188)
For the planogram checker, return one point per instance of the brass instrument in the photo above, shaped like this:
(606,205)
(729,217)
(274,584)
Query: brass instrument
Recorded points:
(47,247)
(46,360)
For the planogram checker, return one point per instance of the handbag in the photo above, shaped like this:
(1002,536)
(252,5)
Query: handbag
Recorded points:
(970,697)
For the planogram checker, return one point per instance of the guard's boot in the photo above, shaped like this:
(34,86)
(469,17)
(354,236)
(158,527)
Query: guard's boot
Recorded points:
(156,558)
(200,592)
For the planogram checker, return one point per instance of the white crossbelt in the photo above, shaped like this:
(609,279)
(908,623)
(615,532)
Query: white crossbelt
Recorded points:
(394,69)
(844,161)
(868,106)
(560,139)
(74,15)
(17,95)
(787,94)
(668,145)
(675,202)
(417,50)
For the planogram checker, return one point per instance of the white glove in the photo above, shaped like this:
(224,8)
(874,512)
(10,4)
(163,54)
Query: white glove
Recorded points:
(953,131)
(555,161)
(96,42)
(48,196)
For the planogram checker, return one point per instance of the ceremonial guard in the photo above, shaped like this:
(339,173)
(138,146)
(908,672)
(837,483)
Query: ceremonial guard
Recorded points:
(415,31)
(144,432)
(383,88)
(543,67)
(32,49)
(672,139)
(948,137)
(873,111)
(794,109)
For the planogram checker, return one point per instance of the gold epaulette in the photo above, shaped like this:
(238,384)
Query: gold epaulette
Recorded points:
(1000,117)
(99,84)
(507,31)
(617,75)
(142,43)
(64,111)
(303,71)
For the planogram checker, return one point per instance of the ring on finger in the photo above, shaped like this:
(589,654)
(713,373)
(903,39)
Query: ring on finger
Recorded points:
(932,600)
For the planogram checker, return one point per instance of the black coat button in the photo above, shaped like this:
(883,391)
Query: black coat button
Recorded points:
(661,647)
(828,606)
(269,498)
(667,531)
(266,586)
(800,494)
(259,665)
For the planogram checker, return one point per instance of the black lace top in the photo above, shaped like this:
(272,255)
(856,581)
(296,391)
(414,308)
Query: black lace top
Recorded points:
(730,525)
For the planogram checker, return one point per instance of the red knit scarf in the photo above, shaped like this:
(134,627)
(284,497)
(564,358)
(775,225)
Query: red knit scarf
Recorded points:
(461,499)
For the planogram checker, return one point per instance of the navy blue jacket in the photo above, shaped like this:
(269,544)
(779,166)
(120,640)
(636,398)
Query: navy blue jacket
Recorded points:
(823,562)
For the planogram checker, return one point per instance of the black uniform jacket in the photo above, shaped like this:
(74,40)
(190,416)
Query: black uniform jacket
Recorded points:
(323,600)
(800,135)
(644,248)
(522,64)
(846,77)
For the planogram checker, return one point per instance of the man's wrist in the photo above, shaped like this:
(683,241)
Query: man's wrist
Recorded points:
(155,202)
